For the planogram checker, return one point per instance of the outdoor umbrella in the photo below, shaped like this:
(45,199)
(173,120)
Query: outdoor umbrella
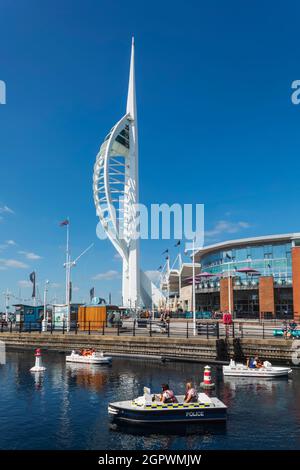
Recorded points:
(248,270)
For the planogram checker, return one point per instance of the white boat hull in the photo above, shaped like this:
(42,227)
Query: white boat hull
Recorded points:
(92,359)
(264,372)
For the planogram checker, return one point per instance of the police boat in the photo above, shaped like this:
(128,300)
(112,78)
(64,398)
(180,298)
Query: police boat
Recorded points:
(148,409)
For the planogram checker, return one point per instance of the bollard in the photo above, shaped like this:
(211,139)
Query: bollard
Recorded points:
(187,329)
(133,331)
(150,329)
(103,326)
(89,327)
(207,383)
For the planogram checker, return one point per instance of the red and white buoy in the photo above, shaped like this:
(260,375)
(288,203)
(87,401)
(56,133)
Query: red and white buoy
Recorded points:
(207,383)
(38,366)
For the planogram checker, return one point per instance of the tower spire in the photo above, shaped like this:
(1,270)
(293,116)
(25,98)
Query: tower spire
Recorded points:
(131,99)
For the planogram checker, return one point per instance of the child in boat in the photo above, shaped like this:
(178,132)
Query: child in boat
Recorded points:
(190,393)
(167,395)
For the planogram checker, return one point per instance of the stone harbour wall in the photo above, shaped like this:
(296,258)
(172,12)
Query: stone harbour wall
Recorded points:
(199,349)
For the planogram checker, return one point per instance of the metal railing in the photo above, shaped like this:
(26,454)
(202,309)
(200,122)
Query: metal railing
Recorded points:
(208,329)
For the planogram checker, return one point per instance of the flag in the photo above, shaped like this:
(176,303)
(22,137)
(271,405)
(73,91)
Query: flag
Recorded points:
(178,243)
(228,256)
(167,257)
(64,222)
(159,268)
(166,251)
(109,299)
(32,279)
(269,266)
(92,293)
(70,291)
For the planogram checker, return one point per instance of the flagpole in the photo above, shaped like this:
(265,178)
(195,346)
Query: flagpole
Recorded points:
(68,275)
(67,262)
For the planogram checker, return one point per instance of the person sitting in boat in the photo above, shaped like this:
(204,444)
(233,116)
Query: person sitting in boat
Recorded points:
(190,393)
(258,363)
(251,363)
(167,395)
(86,352)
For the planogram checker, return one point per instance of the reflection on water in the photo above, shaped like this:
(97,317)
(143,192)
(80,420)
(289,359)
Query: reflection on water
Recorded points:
(169,429)
(89,376)
(65,407)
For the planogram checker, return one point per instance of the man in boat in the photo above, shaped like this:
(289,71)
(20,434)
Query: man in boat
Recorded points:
(190,393)
(167,395)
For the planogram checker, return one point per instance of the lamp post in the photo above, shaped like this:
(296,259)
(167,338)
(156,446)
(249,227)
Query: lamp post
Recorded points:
(7,296)
(194,291)
(69,265)
(229,289)
(45,319)
(194,249)
(230,300)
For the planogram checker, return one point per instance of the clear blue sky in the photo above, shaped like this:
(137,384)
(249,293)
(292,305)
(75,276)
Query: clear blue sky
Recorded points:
(216,123)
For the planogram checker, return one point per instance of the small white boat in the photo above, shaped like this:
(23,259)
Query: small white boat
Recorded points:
(267,371)
(92,358)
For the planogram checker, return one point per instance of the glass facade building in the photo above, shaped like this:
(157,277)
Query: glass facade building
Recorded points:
(271,258)
(268,259)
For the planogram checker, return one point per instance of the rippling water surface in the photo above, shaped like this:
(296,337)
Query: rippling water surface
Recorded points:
(66,407)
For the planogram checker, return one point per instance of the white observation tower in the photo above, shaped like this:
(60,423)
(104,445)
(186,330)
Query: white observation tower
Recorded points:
(116,193)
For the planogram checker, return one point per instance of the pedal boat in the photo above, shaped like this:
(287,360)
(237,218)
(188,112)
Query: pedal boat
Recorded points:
(143,410)
(93,358)
(267,371)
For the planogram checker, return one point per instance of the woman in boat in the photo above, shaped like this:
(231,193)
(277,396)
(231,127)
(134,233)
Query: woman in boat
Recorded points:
(167,395)
(190,393)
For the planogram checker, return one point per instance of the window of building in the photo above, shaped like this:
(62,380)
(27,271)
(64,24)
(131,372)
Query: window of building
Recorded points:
(246,303)
(283,302)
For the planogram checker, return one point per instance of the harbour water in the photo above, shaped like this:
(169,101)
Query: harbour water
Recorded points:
(66,407)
